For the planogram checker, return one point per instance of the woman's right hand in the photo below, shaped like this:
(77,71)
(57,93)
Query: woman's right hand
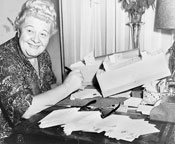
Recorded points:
(73,81)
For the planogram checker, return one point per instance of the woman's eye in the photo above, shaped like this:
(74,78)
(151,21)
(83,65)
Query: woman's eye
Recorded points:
(29,31)
(44,34)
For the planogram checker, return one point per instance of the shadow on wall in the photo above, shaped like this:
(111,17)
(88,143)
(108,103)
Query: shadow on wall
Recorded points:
(54,51)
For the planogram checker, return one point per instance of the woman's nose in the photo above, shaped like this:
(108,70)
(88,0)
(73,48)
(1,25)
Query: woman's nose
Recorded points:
(35,38)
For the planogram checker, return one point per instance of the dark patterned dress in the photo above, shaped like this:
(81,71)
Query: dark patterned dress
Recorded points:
(19,83)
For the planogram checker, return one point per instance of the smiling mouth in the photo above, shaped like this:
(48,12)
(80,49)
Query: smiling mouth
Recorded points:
(34,46)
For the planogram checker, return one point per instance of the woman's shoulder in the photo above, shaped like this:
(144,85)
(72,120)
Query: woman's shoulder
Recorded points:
(9,44)
(9,55)
(9,47)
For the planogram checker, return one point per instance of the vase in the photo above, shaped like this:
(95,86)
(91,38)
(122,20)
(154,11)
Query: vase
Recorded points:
(135,28)
(135,34)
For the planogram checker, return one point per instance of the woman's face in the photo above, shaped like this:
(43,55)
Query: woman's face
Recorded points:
(34,36)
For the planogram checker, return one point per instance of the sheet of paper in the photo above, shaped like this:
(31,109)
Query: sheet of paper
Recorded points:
(86,123)
(128,129)
(58,117)
(133,101)
(89,59)
(113,63)
(88,68)
(77,64)
(88,72)
(85,93)
(69,115)
(119,60)
(145,109)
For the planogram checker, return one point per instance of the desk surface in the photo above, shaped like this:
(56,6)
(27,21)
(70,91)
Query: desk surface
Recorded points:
(28,132)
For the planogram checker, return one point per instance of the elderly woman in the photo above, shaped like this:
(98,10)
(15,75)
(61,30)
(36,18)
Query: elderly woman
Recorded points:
(26,73)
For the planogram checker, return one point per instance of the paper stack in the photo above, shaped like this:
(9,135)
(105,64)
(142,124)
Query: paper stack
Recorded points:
(114,126)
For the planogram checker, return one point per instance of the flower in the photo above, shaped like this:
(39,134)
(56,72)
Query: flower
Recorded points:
(136,8)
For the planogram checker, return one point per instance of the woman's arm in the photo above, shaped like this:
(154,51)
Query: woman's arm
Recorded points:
(51,97)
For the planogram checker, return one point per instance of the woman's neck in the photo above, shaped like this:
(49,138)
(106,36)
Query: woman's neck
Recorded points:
(34,62)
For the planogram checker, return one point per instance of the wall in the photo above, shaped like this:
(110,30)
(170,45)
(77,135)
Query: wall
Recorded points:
(100,26)
(10,9)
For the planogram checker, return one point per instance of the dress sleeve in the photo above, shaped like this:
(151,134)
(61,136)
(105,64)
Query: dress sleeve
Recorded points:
(15,96)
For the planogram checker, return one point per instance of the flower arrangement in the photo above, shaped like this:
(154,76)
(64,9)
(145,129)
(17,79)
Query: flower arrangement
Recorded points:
(136,8)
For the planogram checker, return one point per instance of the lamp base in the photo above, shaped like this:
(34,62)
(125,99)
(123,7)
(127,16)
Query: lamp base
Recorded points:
(172,59)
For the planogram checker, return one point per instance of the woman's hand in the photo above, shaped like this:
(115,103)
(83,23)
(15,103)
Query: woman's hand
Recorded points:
(73,81)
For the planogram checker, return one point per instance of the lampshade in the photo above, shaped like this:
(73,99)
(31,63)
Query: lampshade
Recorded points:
(165,14)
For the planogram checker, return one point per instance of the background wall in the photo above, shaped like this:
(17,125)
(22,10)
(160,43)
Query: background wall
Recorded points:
(10,9)
(100,26)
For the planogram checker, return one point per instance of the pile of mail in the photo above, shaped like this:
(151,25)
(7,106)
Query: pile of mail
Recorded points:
(115,126)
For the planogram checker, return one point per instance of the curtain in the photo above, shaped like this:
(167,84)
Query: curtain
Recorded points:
(99,26)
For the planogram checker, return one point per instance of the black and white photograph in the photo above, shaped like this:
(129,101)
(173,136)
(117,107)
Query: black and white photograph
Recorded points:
(87,71)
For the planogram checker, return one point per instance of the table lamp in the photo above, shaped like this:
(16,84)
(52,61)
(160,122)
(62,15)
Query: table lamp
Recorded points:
(165,19)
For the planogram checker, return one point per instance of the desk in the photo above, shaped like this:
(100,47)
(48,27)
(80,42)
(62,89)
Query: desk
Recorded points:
(29,132)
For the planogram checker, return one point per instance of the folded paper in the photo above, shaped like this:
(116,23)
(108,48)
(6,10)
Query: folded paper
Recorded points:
(127,77)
